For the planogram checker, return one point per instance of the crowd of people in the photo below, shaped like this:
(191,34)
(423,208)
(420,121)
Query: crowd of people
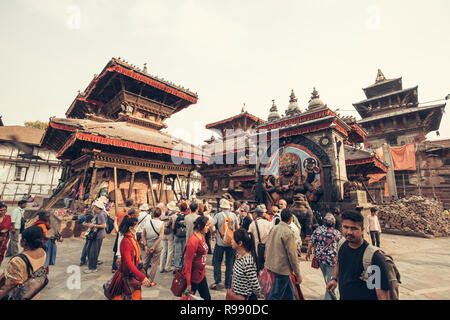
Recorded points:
(177,237)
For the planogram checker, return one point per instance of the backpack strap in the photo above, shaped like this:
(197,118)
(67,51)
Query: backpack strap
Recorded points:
(340,243)
(368,256)
(257,230)
(27,262)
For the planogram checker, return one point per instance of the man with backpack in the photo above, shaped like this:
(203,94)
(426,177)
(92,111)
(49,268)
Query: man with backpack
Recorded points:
(363,271)
(225,223)
(179,233)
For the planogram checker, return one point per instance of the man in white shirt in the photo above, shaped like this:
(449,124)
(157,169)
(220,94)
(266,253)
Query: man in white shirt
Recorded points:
(16,222)
(373,227)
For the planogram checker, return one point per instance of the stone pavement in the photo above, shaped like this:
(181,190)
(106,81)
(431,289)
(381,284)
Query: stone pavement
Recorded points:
(424,265)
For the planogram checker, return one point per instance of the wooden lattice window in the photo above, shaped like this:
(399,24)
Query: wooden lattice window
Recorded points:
(21,173)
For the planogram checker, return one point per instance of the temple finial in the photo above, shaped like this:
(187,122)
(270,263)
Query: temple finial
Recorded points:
(145,68)
(243,108)
(380,76)
(315,94)
(292,97)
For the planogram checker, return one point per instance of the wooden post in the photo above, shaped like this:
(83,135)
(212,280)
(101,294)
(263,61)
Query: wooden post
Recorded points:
(130,188)
(151,189)
(116,200)
(161,188)
(93,180)
(173,188)
(179,185)
(32,180)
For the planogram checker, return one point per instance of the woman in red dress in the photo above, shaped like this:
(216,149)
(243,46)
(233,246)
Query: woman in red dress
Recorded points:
(195,260)
(5,229)
(127,281)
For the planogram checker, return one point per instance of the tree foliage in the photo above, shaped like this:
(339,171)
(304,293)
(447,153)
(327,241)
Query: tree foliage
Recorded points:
(36,124)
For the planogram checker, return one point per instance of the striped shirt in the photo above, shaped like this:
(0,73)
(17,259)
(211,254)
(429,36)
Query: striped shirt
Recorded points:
(245,279)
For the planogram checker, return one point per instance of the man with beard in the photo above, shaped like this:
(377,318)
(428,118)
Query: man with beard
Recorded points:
(349,267)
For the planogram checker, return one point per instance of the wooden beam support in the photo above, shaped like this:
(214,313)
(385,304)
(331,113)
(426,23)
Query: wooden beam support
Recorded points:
(179,185)
(130,188)
(116,200)
(161,188)
(173,188)
(93,181)
(151,189)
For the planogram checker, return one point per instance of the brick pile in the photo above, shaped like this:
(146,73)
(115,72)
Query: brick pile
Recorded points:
(415,214)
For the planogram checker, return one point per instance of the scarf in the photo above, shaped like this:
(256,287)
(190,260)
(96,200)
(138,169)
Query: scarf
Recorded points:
(42,222)
(137,249)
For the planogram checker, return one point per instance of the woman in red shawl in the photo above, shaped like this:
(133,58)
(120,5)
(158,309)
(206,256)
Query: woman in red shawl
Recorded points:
(126,282)
(5,229)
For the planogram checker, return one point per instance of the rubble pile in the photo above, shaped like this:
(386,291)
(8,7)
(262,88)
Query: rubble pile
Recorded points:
(415,214)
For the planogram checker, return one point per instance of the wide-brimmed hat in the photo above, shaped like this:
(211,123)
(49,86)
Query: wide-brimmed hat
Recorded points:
(225,204)
(144,207)
(103,199)
(172,206)
(259,211)
(99,204)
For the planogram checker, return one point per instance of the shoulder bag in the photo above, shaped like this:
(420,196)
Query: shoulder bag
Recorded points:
(261,249)
(179,283)
(37,280)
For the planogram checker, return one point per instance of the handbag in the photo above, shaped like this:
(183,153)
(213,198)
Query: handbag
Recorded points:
(37,280)
(315,260)
(261,249)
(231,295)
(179,283)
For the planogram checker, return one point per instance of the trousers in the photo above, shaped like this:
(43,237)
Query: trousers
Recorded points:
(167,252)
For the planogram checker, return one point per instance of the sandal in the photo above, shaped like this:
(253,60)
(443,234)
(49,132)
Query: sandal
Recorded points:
(153,284)
(214,286)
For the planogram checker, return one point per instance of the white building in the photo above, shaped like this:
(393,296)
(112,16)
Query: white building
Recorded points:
(25,167)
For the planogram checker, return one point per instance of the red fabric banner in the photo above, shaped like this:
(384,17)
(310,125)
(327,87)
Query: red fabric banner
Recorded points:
(404,157)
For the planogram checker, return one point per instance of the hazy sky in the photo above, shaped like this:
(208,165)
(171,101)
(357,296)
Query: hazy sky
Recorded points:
(229,52)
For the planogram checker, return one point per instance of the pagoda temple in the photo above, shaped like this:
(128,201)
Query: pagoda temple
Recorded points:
(111,139)
(230,169)
(392,115)
(397,125)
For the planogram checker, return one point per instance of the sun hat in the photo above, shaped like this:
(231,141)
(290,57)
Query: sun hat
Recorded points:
(99,204)
(224,204)
(144,207)
(172,206)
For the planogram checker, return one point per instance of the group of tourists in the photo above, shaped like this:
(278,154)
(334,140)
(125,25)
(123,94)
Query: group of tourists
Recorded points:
(262,251)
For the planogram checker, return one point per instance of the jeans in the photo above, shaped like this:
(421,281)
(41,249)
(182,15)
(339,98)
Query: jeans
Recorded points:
(202,288)
(208,241)
(166,253)
(93,252)
(282,288)
(13,246)
(115,249)
(230,255)
(327,272)
(375,235)
(50,249)
(179,244)
(84,252)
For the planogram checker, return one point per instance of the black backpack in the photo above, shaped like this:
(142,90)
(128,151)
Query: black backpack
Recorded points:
(109,224)
(180,226)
